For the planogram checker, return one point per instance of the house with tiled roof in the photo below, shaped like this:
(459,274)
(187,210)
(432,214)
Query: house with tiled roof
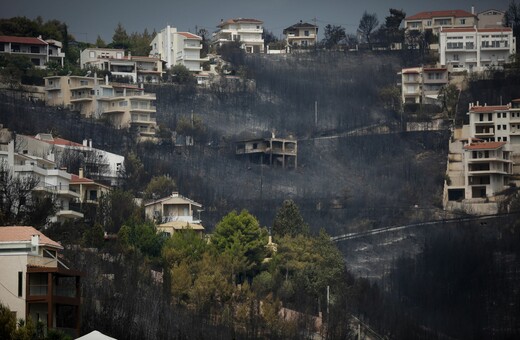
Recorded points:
(89,191)
(103,166)
(484,158)
(475,49)
(39,51)
(36,283)
(300,35)
(434,20)
(175,213)
(248,32)
(178,48)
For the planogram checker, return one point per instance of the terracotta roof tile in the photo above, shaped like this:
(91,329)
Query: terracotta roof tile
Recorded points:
(190,35)
(490,108)
(485,146)
(457,13)
(22,40)
(23,234)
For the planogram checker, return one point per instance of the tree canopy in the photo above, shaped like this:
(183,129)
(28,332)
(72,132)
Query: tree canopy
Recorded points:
(367,26)
(288,220)
(333,34)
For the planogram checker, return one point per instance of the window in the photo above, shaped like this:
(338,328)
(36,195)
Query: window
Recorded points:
(36,61)
(504,127)
(35,49)
(428,23)
(306,33)
(505,139)
(463,21)
(20,283)
(92,54)
(2,47)
(498,127)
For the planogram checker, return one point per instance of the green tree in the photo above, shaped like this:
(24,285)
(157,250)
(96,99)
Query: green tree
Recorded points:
(240,237)
(288,220)
(184,246)
(120,39)
(181,75)
(100,42)
(159,187)
(142,236)
(193,127)
(367,25)
(115,208)
(7,322)
(333,35)
(133,175)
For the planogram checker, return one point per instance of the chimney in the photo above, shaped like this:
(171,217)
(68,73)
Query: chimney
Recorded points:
(90,143)
(106,79)
(80,174)
(35,243)
(473,10)
(85,142)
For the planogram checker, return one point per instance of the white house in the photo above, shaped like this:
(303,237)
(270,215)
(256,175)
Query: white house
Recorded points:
(472,49)
(422,84)
(248,32)
(50,180)
(435,20)
(176,48)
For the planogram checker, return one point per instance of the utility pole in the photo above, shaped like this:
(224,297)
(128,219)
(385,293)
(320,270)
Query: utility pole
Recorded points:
(316,113)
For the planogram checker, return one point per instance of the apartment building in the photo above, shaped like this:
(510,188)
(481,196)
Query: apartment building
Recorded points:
(435,20)
(248,32)
(301,34)
(484,158)
(140,69)
(89,191)
(39,51)
(472,49)
(50,180)
(178,48)
(124,105)
(422,84)
(35,282)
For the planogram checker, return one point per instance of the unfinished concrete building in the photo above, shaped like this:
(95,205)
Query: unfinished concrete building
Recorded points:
(271,151)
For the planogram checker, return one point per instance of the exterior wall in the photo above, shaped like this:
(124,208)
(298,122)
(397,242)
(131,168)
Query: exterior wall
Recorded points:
(476,50)
(37,53)
(490,19)
(124,106)
(248,34)
(422,84)
(436,23)
(91,55)
(11,264)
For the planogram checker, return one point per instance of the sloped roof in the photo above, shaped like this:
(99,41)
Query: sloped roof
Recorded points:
(490,108)
(95,335)
(175,198)
(22,40)
(457,13)
(180,225)
(190,35)
(24,234)
(300,25)
(485,146)
(240,21)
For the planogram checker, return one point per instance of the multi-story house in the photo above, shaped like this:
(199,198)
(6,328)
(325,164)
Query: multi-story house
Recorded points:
(89,191)
(39,51)
(174,213)
(490,18)
(301,34)
(484,158)
(103,166)
(435,20)
(36,283)
(178,48)
(248,32)
(422,84)
(49,180)
(142,69)
(473,49)
(123,105)
(273,151)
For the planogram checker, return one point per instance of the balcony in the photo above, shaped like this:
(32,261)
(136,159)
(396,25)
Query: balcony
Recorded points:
(190,46)
(52,87)
(143,120)
(60,190)
(81,98)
